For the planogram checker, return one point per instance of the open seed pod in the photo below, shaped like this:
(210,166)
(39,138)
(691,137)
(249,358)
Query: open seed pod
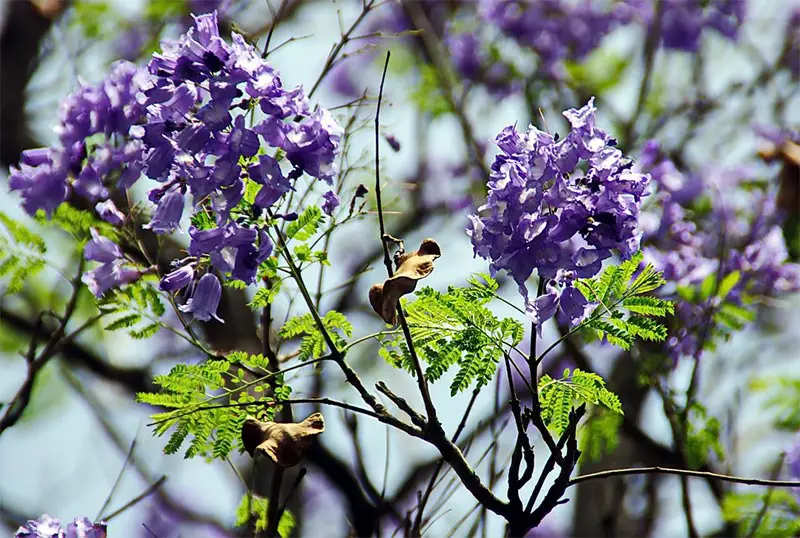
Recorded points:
(285,444)
(410,268)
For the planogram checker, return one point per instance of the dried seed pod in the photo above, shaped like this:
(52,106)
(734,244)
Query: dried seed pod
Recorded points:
(284,443)
(788,199)
(411,267)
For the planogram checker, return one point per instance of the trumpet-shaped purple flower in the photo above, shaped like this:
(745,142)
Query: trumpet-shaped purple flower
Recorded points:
(177,279)
(82,527)
(45,527)
(48,527)
(112,272)
(558,206)
(168,213)
(554,29)
(682,22)
(109,213)
(95,144)
(331,202)
(205,299)
(101,249)
(109,275)
(184,123)
(41,179)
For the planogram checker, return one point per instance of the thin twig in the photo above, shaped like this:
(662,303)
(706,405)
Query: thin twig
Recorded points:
(430,409)
(117,481)
(146,493)
(685,472)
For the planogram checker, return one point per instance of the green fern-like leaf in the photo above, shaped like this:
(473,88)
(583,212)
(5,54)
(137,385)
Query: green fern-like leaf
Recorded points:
(264,296)
(456,329)
(624,313)
(145,332)
(771,514)
(600,434)
(177,438)
(557,396)
(254,509)
(647,305)
(306,224)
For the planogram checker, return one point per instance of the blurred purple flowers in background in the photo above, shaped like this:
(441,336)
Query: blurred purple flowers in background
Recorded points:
(559,206)
(555,30)
(48,527)
(793,457)
(707,227)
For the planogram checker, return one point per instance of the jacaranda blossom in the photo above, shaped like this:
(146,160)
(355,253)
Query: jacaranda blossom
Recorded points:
(205,299)
(559,206)
(48,527)
(205,119)
(113,271)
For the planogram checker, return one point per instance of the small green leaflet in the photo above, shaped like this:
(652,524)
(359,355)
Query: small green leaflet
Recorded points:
(306,224)
(455,329)
(558,396)
(624,312)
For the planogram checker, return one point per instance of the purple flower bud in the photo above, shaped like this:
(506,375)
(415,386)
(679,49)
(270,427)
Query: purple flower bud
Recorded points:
(393,142)
(177,279)
(205,299)
(101,249)
(109,213)
(107,276)
(331,202)
(168,213)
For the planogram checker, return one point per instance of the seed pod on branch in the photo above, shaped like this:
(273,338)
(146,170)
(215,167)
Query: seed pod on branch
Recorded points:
(284,443)
(788,200)
(410,268)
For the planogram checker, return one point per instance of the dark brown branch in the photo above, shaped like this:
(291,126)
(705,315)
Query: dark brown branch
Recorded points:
(57,340)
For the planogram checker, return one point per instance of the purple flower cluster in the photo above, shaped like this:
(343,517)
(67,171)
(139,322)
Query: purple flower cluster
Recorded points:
(554,29)
(48,527)
(95,151)
(682,21)
(688,242)
(475,59)
(196,145)
(197,122)
(559,206)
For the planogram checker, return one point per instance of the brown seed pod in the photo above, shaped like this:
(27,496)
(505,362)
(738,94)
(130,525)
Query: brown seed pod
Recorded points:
(410,268)
(788,199)
(284,443)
